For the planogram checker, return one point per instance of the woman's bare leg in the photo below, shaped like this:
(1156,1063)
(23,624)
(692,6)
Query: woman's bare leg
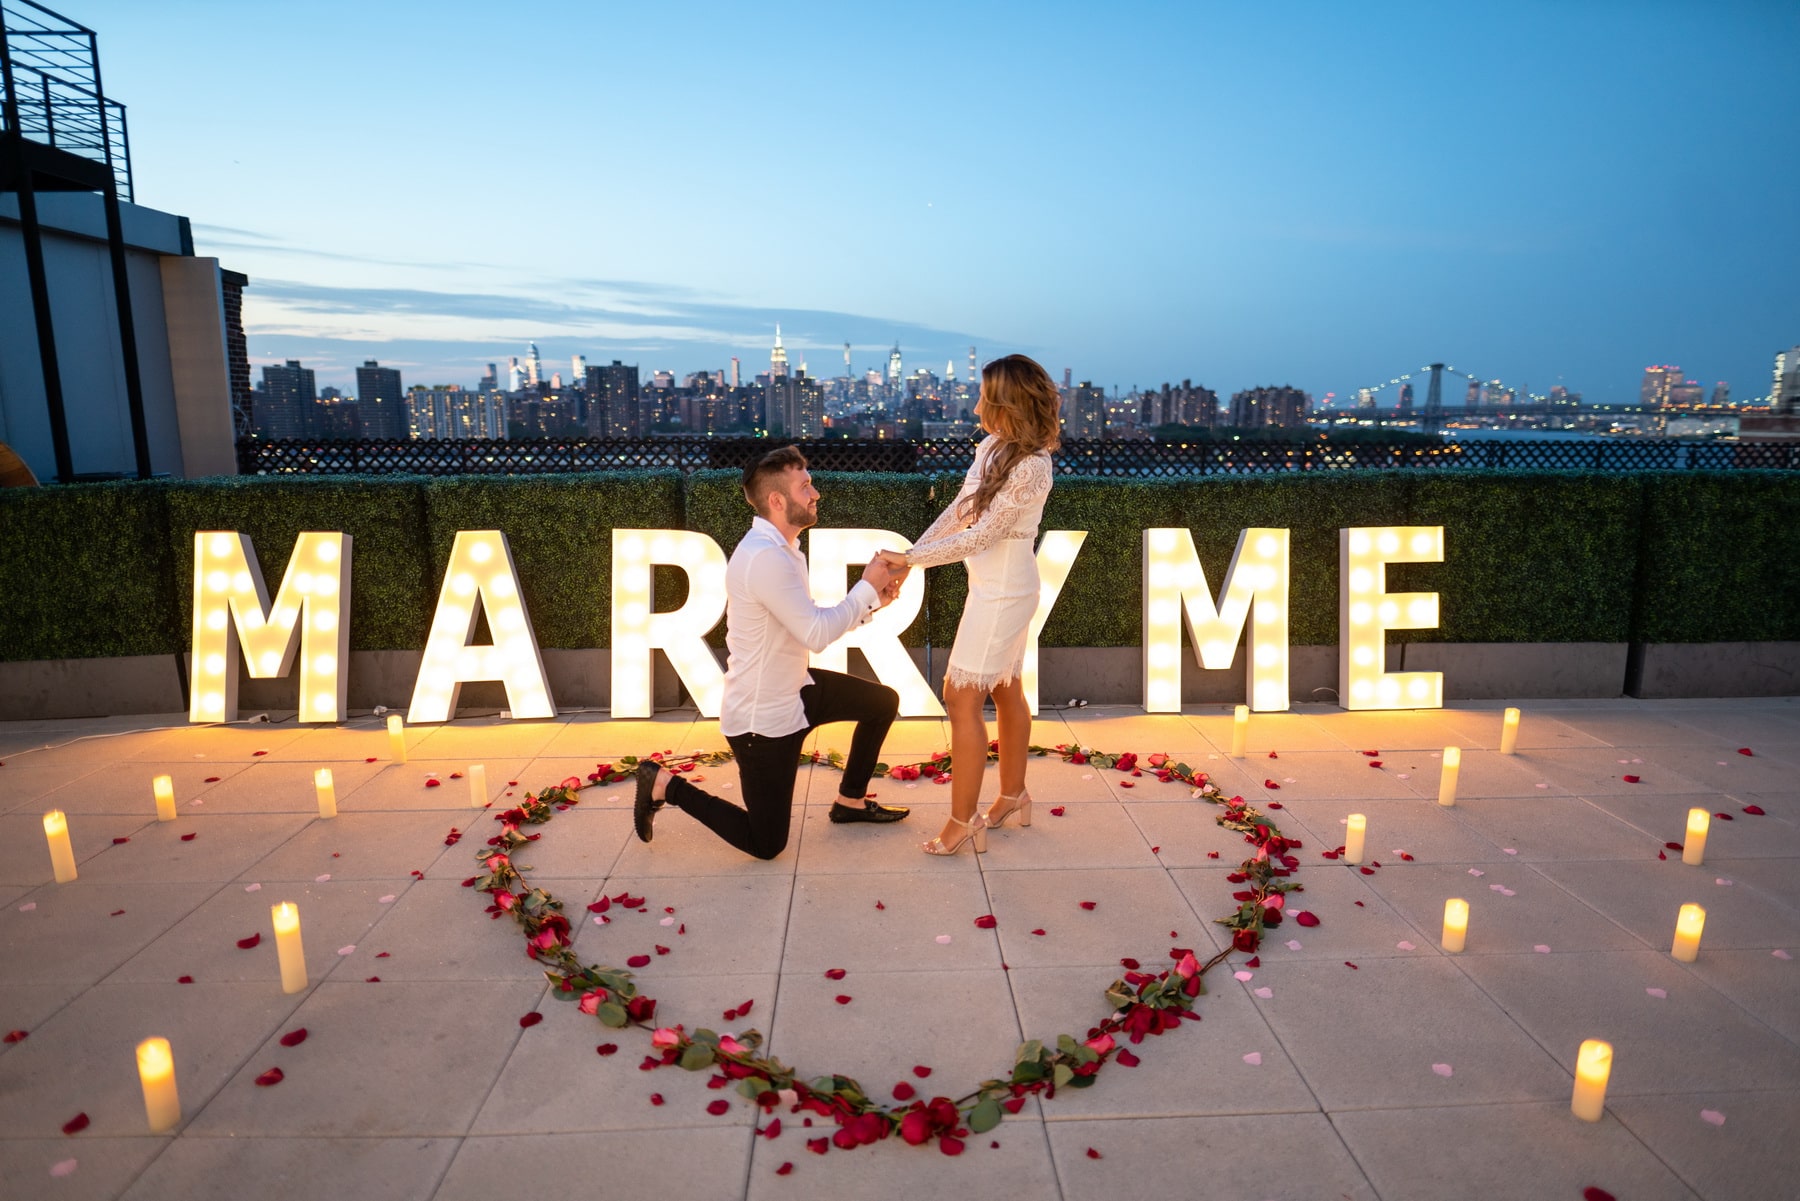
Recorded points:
(968,750)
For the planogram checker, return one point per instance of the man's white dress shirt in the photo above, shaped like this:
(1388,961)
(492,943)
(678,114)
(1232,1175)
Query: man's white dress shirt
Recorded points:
(771,623)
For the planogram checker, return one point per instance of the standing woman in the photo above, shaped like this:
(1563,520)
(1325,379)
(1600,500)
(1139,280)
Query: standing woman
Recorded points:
(991,524)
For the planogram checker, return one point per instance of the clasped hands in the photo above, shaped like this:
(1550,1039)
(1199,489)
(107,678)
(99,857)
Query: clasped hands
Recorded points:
(885,573)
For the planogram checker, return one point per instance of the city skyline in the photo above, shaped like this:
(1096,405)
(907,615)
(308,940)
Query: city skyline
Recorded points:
(1326,199)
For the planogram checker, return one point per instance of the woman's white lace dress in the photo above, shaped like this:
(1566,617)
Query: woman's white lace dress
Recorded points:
(1002,566)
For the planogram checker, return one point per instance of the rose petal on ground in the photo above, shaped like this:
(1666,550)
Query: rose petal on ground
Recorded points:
(1254,1059)
(1631,779)
(904,1091)
(1058,811)
(1372,754)
(294,1038)
(718,1106)
(1442,1069)
(1780,954)
(1293,944)
(184,979)
(349,950)
(1475,871)
(607,1049)
(117,841)
(638,961)
(1590,1193)
(834,973)
(1403,945)
(79,1122)
(1722,881)
(943,940)
(667,921)
(62,1167)
(1351,966)
(1243,975)
(1661,994)
(1271,785)
(985,922)
(244,944)
(1744,750)
(1754,810)
(1712,1116)
(531,1019)
(322,879)
(1127,1059)
(841,999)
(879,905)
(252,888)
(656,1098)
(1039,933)
(1265,993)
(784,1169)
(1306,918)
(189,837)
(115,913)
(387,900)
(1090,904)
(28,906)
(272,1076)
(1541,949)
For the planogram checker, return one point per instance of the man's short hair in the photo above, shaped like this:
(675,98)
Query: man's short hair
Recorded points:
(762,475)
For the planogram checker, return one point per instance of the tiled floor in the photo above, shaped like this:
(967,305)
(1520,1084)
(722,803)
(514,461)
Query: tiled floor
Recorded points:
(1358,1060)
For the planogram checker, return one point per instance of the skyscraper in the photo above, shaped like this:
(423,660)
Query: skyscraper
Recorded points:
(285,409)
(778,364)
(1406,397)
(613,405)
(1284,406)
(1085,414)
(736,375)
(1785,395)
(846,360)
(381,402)
(534,366)
(577,371)
(894,375)
(1658,386)
(974,374)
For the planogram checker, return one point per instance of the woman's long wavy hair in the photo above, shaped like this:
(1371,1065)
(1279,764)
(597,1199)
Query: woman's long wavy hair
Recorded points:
(1021,406)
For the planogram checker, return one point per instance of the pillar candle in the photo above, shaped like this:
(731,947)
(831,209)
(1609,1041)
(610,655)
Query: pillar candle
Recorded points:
(1354,829)
(396,738)
(327,792)
(1240,731)
(1593,1064)
(62,856)
(1447,781)
(1509,731)
(478,793)
(156,1072)
(287,946)
(1456,924)
(1688,925)
(164,789)
(1694,849)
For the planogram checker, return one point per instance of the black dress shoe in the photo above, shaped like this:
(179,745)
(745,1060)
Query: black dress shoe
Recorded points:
(643,809)
(868,811)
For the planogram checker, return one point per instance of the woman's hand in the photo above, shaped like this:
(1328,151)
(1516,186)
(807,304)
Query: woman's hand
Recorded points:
(895,559)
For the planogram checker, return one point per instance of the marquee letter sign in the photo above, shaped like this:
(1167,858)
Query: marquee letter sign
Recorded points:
(231,607)
(828,553)
(1367,611)
(1055,555)
(480,571)
(638,631)
(1255,593)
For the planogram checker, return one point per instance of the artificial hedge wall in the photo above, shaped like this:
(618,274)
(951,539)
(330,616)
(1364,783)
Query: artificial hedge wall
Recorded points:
(105,569)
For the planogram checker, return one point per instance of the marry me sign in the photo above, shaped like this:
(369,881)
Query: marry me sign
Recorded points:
(306,625)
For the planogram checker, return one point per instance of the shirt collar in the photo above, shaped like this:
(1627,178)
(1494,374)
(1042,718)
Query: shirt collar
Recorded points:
(768,530)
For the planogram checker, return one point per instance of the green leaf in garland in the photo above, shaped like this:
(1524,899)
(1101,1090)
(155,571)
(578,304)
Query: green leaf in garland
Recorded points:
(696,1057)
(985,1116)
(611,1013)
(1064,1074)
(1031,1051)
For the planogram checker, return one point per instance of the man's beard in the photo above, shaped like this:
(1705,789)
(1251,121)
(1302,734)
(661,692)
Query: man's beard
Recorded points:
(808,517)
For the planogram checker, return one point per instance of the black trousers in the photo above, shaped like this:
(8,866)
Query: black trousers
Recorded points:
(767,766)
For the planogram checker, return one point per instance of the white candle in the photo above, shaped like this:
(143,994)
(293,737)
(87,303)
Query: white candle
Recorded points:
(1694,849)
(287,946)
(62,856)
(1509,731)
(1593,1064)
(164,790)
(1354,829)
(1447,780)
(478,795)
(1240,730)
(1688,925)
(156,1072)
(396,738)
(327,791)
(1456,924)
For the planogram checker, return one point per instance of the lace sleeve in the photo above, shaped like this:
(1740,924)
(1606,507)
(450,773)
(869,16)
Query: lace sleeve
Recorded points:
(1028,484)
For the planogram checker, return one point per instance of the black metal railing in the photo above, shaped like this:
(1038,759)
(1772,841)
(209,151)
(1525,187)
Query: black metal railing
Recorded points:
(53,88)
(1142,460)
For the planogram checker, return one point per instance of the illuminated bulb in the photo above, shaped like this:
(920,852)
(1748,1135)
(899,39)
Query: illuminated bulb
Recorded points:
(1388,689)
(511,619)
(1265,577)
(1161,575)
(501,586)
(1361,690)
(481,552)
(1423,544)
(1422,611)
(303,582)
(241,582)
(462,583)
(325,585)
(1214,650)
(271,662)
(1362,656)
(1359,543)
(328,552)
(325,664)
(1163,612)
(1389,542)
(1266,613)
(1390,613)
(1361,579)
(1268,695)
(215,664)
(662,549)
(1361,613)
(1162,542)
(1162,693)
(634,615)
(631,548)
(217,581)
(325,620)
(1266,546)
(1419,688)
(1187,577)
(1267,656)
(635,579)
(1164,655)
(212,702)
(220,545)
(323,702)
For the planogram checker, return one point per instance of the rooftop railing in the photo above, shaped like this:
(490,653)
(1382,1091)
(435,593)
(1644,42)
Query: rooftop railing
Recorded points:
(1119,459)
(53,88)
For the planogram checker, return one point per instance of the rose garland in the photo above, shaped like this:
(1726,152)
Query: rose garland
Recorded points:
(1143,1003)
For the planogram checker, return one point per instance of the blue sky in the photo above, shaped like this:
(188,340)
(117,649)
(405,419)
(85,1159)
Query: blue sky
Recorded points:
(1321,194)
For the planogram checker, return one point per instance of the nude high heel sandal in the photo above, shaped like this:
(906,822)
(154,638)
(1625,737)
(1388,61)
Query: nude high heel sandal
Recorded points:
(1021,805)
(977,833)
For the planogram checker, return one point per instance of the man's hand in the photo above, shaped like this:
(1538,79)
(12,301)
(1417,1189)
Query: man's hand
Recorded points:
(879,574)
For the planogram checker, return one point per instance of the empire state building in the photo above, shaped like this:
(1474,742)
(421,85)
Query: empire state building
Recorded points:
(778,364)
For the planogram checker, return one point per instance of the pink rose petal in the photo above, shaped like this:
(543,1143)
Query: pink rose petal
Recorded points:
(1293,944)
(1265,993)
(62,1167)
(1661,994)
(1242,975)
(1509,850)
(943,940)
(349,950)
(1475,871)
(1721,880)
(1254,1059)
(1541,949)
(387,900)
(321,879)
(1712,1116)
(1442,1069)
(1403,945)
(28,906)
(1780,954)
(252,888)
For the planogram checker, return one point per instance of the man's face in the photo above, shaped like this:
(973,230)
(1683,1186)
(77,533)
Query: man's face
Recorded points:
(800,497)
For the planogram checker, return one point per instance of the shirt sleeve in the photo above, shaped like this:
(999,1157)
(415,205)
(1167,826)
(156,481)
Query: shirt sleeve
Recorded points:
(777,581)
(1028,484)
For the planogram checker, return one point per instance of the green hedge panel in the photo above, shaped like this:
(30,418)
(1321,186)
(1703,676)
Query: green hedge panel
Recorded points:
(559,528)
(1528,556)
(1721,558)
(84,572)
(390,601)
